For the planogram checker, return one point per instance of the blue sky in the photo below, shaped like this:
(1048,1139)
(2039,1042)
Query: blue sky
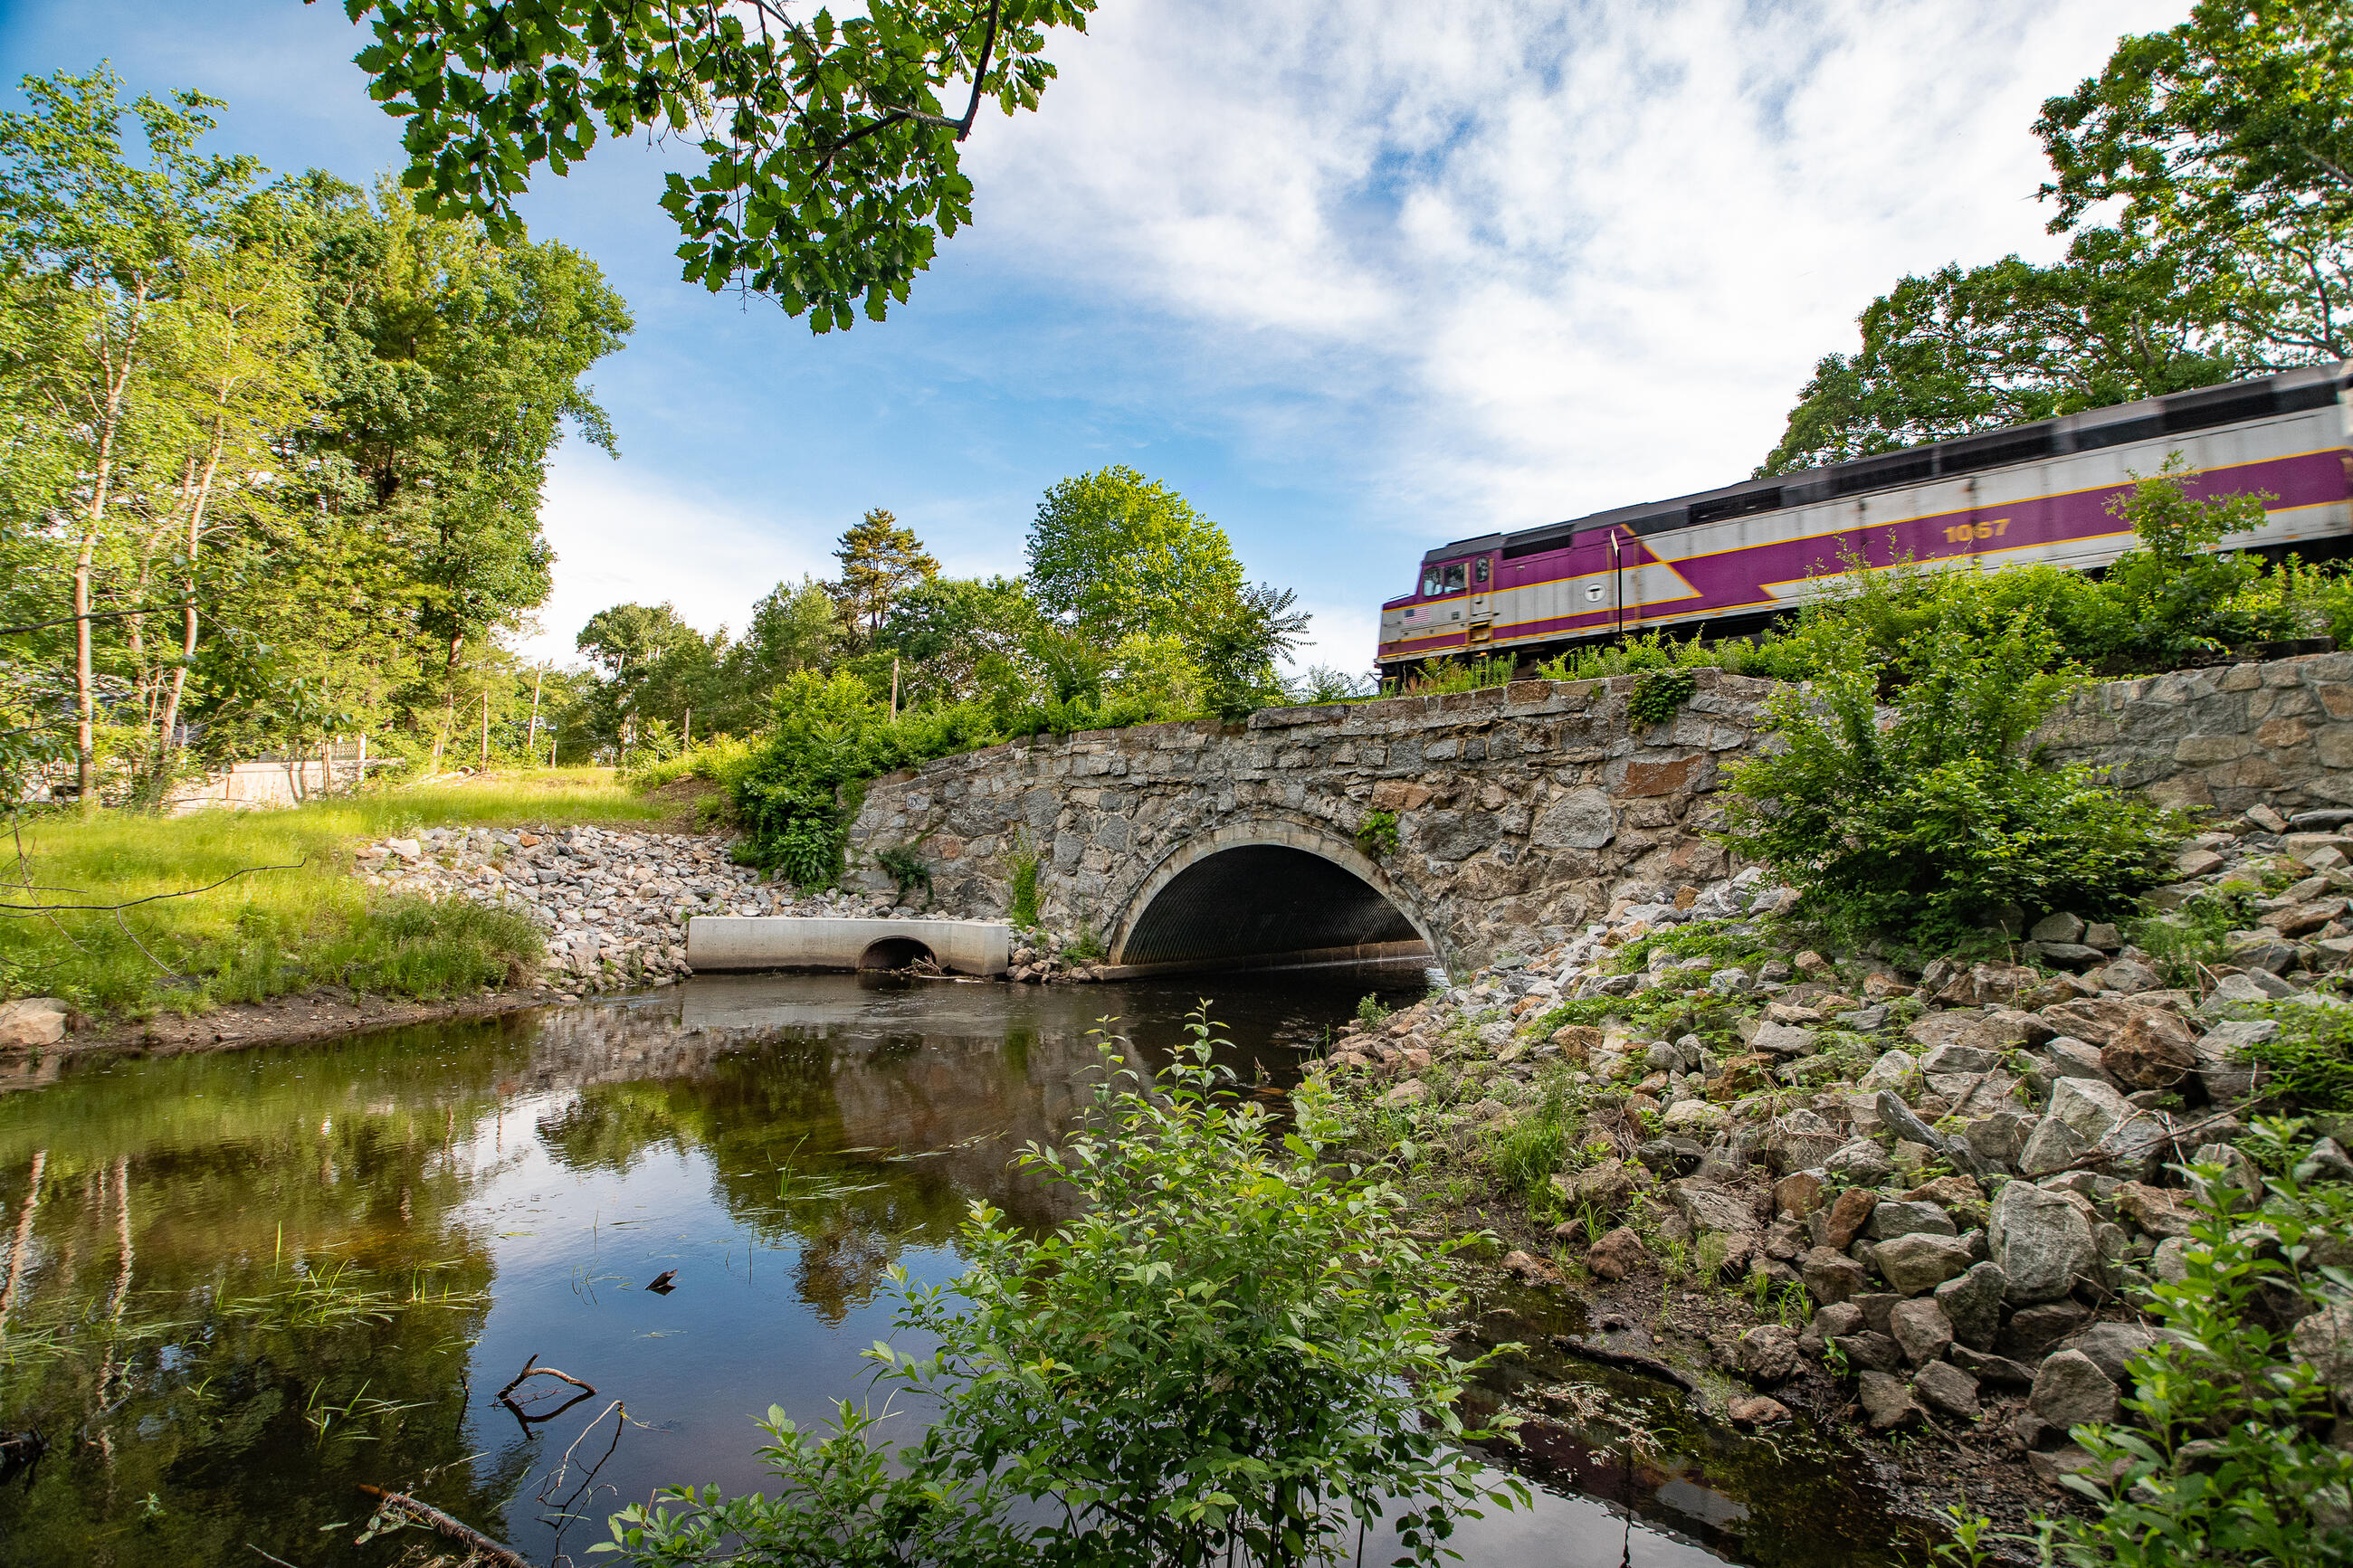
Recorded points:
(1356,277)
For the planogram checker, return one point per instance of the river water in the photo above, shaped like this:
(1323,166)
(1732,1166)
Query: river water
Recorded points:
(239,1286)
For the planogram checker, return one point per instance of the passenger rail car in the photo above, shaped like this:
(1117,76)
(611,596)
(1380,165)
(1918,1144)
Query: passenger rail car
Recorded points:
(1727,559)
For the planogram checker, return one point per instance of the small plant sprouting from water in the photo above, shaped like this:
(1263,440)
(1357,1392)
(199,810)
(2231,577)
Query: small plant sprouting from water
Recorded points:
(1376,833)
(1264,1400)
(1023,860)
(1370,1012)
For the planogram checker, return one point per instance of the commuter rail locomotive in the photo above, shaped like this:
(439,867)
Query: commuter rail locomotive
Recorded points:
(1726,561)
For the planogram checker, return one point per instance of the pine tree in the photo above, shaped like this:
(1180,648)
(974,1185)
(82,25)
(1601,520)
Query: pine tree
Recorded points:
(880,560)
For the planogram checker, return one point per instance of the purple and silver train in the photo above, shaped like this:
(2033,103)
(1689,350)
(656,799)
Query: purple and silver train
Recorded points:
(1726,560)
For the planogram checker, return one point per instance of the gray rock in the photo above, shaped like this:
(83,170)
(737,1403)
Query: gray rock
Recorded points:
(1833,1322)
(2041,1240)
(2129,975)
(1785,1040)
(2050,1145)
(2090,1108)
(2069,1389)
(1947,1390)
(1769,1354)
(2112,1346)
(2072,1058)
(1866,1020)
(1959,1058)
(1581,820)
(1987,1367)
(2057,928)
(1914,1264)
(2104,936)
(1870,1351)
(1895,1218)
(1887,1403)
(1858,1163)
(2323,1341)
(1972,1304)
(2031,1331)
(1999,1138)
(1919,1329)
(2071,955)
(1831,1276)
(2170,1263)
(1900,1120)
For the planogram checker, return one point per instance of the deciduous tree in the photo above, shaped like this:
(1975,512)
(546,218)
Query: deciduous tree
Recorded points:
(1116,554)
(833,141)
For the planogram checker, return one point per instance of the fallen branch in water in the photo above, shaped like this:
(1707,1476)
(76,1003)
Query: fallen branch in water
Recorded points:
(465,1534)
(531,1368)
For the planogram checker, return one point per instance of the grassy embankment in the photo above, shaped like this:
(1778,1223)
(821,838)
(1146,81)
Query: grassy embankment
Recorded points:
(278,930)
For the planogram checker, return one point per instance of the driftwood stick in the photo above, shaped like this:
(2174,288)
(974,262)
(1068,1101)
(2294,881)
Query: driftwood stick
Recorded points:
(533,1369)
(465,1534)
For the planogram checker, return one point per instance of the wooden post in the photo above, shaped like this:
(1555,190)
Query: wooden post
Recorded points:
(531,745)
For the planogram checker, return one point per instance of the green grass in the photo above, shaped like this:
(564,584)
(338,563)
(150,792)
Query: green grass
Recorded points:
(274,931)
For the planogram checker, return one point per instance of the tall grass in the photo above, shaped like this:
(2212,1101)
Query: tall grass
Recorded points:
(278,931)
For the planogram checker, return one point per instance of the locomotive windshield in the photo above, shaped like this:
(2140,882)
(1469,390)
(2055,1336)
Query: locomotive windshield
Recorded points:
(1441,579)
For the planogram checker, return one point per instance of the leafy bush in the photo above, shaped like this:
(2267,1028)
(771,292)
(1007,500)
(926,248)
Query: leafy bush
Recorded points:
(1659,695)
(2310,1061)
(1232,1355)
(1438,676)
(1376,833)
(905,868)
(1936,822)
(2224,1456)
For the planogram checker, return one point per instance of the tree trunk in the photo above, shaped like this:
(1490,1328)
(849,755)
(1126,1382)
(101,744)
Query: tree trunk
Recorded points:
(188,592)
(85,681)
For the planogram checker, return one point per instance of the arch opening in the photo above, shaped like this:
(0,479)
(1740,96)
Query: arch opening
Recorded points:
(1262,905)
(895,952)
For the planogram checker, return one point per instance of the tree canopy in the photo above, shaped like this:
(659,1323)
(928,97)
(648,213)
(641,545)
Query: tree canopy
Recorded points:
(1123,555)
(275,449)
(833,141)
(2221,147)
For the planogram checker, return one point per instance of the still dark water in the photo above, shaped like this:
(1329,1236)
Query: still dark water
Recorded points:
(238,1286)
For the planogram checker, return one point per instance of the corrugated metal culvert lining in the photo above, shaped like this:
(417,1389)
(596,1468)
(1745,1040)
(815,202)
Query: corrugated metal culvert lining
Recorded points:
(1260,899)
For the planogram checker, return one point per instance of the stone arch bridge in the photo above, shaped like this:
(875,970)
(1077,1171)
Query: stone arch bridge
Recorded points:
(1519,811)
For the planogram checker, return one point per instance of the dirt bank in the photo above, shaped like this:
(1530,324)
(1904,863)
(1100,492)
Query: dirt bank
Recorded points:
(319,1014)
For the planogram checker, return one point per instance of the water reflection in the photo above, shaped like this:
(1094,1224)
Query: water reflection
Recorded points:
(239,1286)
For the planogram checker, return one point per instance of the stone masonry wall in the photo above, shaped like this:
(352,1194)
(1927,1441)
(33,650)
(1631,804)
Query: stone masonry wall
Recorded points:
(2277,734)
(1522,810)
(1525,811)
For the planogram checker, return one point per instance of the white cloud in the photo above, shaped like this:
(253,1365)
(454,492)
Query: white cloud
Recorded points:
(1395,272)
(623,536)
(1574,256)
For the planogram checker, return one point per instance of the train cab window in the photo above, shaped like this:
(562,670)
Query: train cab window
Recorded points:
(1439,580)
(1479,571)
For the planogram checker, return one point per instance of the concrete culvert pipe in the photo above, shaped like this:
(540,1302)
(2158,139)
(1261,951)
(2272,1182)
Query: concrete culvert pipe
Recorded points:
(896,952)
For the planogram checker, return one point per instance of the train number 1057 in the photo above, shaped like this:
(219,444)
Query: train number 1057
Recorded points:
(1962,532)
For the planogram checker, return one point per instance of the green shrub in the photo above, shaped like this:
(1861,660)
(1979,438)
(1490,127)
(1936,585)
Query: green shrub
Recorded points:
(2310,1062)
(1232,1355)
(1376,833)
(905,868)
(1370,1012)
(1084,948)
(1938,823)
(1659,695)
(2224,1457)
(1438,676)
